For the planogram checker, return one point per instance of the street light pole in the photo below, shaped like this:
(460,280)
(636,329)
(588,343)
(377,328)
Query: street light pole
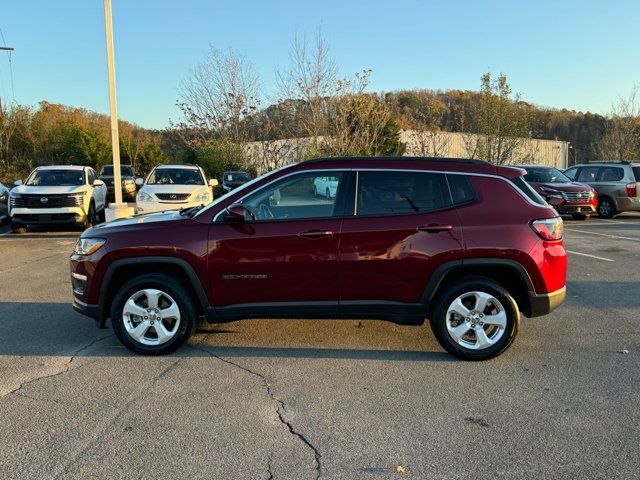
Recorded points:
(118,209)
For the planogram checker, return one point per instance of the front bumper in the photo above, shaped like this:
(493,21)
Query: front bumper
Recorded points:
(580,208)
(151,207)
(545,303)
(46,216)
(86,309)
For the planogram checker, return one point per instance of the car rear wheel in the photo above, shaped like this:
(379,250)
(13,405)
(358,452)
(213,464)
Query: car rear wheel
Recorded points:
(153,314)
(475,319)
(606,208)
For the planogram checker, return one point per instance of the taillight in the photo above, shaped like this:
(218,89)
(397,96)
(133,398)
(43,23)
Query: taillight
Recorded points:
(631,190)
(548,228)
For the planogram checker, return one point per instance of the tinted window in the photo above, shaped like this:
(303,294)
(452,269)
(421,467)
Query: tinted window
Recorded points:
(236,177)
(397,193)
(306,195)
(461,189)
(636,173)
(525,188)
(126,171)
(175,176)
(611,174)
(545,175)
(588,174)
(91,176)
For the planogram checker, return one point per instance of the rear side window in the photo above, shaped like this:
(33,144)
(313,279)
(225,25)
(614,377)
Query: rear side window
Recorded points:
(636,173)
(588,174)
(525,188)
(611,174)
(398,193)
(461,189)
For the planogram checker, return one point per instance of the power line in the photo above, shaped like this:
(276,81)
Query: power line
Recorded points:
(9,50)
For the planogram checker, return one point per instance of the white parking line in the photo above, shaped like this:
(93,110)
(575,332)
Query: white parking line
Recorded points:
(633,239)
(590,256)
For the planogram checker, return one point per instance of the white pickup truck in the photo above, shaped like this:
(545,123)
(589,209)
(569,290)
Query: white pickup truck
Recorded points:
(63,194)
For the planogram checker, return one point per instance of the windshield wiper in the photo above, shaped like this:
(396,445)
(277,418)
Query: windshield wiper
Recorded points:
(191,211)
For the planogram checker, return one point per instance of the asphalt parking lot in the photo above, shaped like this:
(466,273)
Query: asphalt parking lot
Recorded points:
(289,399)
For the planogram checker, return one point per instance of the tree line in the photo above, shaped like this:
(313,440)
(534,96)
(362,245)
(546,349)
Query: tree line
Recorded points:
(223,106)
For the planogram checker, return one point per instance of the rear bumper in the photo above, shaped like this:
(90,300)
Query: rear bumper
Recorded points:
(543,304)
(626,204)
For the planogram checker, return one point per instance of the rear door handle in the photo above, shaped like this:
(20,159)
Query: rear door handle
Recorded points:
(435,228)
(315,234)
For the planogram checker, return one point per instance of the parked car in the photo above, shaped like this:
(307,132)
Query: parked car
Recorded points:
(60,194)
(617,184)
(327,186)
(172,187)
(463,243)
(231,180)
(576,199)
(4,204)
(127,177)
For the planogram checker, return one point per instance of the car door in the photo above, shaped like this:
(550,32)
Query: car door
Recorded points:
(611,184)
(401,228)
(282,260)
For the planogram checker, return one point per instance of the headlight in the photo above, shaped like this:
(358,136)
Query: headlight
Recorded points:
(144,197)
(202,197)
(592,193)
(128,181)
(87,246)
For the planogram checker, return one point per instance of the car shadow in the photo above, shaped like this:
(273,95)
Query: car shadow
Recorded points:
(55,329)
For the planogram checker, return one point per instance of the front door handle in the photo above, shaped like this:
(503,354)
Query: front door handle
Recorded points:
(315,234)
(435,228)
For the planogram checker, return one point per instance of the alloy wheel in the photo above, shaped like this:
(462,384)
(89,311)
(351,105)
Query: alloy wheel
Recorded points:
(151,317)
(476,320)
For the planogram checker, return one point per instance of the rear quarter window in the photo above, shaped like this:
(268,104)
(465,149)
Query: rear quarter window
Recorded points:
(636,173)
(529,192)
(461,189)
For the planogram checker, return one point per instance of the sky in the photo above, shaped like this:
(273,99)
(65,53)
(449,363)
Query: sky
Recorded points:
(580,55)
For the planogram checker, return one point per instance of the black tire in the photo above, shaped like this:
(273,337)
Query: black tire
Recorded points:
(580,216)
(91,219)
(481,284)
(606,208)
(101,215)
(18,228)
(171,286)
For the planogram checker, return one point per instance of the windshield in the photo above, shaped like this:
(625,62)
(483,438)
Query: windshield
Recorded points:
(175,176)
(545,175)
(107,171)
(56,178)
(236,177)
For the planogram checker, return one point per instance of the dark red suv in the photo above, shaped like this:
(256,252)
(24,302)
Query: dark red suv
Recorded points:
(463,243)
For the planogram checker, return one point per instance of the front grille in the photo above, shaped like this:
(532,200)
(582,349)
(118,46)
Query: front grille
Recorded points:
(576,196)
(48,201)
(173,197)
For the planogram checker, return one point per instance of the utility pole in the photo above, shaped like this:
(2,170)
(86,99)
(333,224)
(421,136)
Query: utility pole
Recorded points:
(8,49)
(117,209)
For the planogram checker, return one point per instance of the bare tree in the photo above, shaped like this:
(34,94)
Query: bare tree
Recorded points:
(311,77)
(621,137)
(219,96)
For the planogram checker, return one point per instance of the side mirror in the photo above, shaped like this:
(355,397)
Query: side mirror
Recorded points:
(17,183)
(213,182)
(98,183)
(235,213)
(139,182)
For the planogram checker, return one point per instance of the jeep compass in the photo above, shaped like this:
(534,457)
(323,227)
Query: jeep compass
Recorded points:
(465,244)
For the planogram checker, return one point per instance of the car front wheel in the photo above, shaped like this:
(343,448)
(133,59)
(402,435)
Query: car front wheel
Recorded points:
(153,314)
(606,208)
(475,319)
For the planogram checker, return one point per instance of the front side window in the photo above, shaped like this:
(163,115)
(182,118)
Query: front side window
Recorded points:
(56,178)
(398,193)
(175,176)
(588,174)
(571,173)
(611,174)
(91,177)
(301,196)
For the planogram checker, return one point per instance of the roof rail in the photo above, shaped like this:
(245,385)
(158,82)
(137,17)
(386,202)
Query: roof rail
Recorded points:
(609,161)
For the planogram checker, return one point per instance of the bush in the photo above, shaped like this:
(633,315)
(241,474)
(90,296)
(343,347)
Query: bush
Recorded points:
(219,156)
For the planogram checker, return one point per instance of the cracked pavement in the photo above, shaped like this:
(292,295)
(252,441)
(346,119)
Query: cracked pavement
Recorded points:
(288,399)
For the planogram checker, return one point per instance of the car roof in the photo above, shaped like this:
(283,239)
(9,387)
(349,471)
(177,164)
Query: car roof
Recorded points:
(463,165)
(61,167)
(190,167)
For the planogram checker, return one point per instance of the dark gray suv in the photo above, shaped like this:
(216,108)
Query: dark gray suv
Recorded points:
(617,184)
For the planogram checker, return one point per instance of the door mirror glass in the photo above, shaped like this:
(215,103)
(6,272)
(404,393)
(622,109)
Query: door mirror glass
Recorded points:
(17,183)
(139,182)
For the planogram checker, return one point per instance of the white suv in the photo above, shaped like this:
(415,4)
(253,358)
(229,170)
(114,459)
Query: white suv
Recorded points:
(61,194)
(171,187)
